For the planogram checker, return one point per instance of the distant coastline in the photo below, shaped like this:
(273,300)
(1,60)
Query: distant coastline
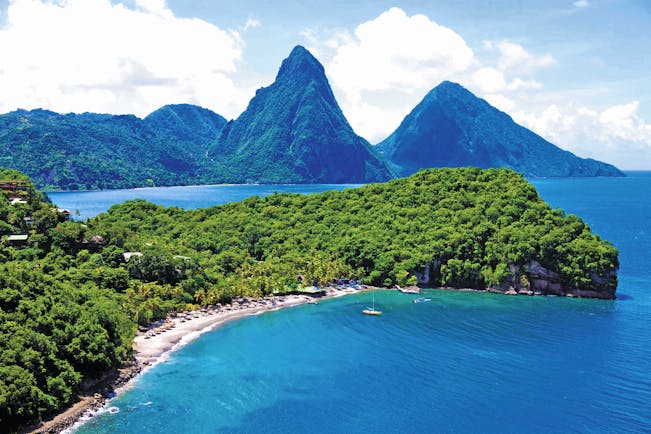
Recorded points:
(91,203)
(153,187)
(289,184)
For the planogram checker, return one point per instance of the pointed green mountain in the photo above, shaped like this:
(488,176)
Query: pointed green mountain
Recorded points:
(294,131)
(451,127)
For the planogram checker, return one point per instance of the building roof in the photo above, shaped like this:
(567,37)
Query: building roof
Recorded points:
(18,237)
(185,258)
(128,255)
(310,290)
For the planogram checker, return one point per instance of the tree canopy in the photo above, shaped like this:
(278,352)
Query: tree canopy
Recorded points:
(72,294)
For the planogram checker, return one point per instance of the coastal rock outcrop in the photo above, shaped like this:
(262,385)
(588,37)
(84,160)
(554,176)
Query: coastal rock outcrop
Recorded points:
(429,273)
(544,281)
(537,280)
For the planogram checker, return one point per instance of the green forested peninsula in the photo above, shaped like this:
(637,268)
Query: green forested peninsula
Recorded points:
(72,294)
(462,227)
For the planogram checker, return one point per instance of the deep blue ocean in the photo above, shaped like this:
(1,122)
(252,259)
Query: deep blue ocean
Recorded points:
(464,362)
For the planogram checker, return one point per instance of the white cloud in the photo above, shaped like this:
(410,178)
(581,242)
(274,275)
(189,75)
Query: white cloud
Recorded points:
(579,4)
(252,23)
(621,117)
(380,72)
(514,56)
(403,55)
(617,134)
(396,51)
(93,55)
(500,101)
(519,84)
(369,117)
(489,79)
(550,123)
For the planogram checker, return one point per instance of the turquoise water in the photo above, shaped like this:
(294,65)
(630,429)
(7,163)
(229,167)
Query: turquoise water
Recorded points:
(85,204)
(465,362)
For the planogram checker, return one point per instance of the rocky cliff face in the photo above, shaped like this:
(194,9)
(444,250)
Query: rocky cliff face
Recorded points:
(538,281)
(546,282)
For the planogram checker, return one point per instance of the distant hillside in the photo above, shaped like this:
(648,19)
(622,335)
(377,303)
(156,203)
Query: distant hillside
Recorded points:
(294,131)
(451,127)
(186,123)
(91,151)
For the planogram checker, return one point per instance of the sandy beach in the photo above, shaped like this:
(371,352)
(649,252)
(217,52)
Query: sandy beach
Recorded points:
(155,344)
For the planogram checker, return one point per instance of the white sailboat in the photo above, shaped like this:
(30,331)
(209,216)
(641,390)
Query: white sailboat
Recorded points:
(371,310)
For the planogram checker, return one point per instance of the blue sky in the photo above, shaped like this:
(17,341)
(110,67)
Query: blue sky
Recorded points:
(577,71)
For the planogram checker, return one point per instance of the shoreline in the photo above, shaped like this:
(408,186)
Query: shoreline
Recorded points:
(145,187)
(155,344)
(161,339)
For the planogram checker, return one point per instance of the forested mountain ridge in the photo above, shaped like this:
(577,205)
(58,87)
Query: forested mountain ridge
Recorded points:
(70,298)
(451,127)
(186,123)
(293,131)
(96,151)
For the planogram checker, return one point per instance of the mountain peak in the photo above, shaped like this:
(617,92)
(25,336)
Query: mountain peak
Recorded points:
(449,85)
(300,51)
(300,64)
(450,89)
(452,127)
(294,131)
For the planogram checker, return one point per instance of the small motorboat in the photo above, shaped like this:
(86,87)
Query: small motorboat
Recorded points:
(369,311)
(421,300)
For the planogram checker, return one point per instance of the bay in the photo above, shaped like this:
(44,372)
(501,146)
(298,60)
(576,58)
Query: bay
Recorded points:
(465,362)
(86,204)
